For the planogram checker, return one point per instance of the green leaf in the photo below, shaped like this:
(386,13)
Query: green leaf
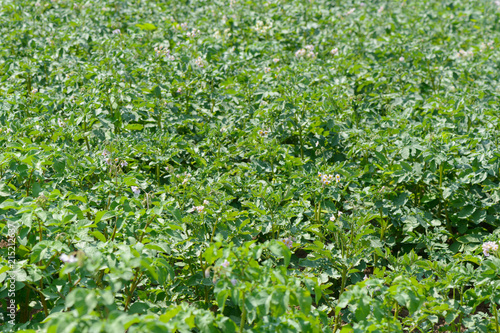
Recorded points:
(279,249)
(466,212)
(165,318)
(146,26)
(97,234)
(134,127)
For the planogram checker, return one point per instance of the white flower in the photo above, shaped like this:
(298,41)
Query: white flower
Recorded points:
(489,246)
(60,123)
(332,218)
(206,202)
(225,264)
(288,242)
(337,178)
(263,132)
(275,60)
(310,47)
(334,51)
(199,209)
(402,59)
(34,91)
(136,190)
(381,9)
(116,32)
(300,53)
(312,55)
(123,164)
(193,33)
(351,11)
(326,179)
(199,62)
(340,213)
(105,153)
(267,69)
(68,259)
(179,90)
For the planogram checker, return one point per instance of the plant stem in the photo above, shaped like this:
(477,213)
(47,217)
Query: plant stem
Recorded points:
(243,315)
(137,279)
(114,229)
(496,317)
(213,231)
(39,228)
(147,225)
(42,297)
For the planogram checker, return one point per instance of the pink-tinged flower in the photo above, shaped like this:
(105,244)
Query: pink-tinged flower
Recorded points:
(108,161)
(234,282)
(68,259)
(116,32)
(489,246)
(402,59)
(288,242)
(199,209)
(199,62)
(300,53)
(225,264)
(136,190)
(334,51)
(105,153)
(123,164)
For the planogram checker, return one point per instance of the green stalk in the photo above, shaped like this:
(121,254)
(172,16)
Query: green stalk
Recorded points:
(137,279)
(343,283)
(39,228)
(85,132)
(213,231)
(114,229)
(243,315)
(42,298)
(147,225)
(496,317)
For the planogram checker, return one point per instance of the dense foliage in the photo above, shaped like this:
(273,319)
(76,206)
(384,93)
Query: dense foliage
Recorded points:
(266,166)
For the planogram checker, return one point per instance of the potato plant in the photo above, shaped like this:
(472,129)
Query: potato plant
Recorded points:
(249,166)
